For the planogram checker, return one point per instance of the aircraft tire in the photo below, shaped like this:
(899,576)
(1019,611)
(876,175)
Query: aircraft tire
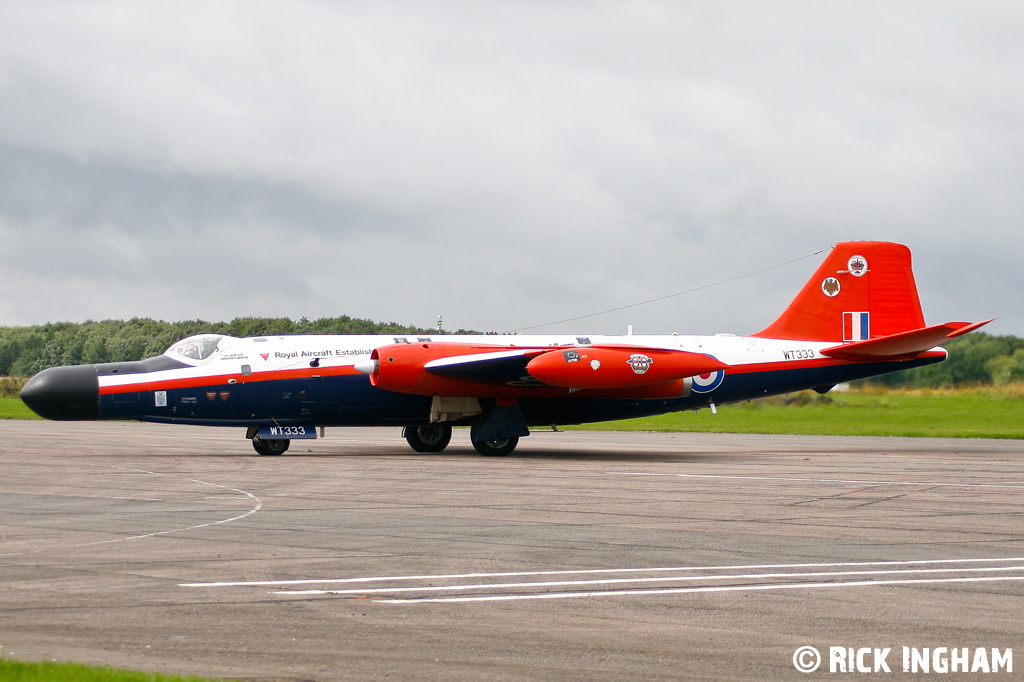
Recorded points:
(428,438)
(275,446)
(496,448)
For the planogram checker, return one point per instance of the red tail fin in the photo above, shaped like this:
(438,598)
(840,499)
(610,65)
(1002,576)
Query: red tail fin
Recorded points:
(863,290)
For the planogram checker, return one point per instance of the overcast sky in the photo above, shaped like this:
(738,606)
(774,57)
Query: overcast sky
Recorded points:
(503,164)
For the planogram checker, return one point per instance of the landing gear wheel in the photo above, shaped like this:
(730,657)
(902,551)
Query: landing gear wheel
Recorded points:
(275,446)
(492,448)
(429,438)
(496,448)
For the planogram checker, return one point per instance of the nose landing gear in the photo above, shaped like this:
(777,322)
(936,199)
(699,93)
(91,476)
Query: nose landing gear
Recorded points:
(275,446)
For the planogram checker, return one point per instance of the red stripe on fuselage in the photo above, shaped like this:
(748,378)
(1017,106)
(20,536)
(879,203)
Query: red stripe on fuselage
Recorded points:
(809,364)
(656,391)
(784,365)
(221,379)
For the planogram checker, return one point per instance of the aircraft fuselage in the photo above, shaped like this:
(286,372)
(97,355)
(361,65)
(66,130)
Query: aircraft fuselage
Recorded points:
(312,380)
(857,316)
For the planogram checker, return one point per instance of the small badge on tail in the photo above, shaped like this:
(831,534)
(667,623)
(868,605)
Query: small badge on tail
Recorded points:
(857,265)
(830,287)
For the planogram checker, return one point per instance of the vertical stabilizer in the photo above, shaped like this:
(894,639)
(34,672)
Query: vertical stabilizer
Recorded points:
(863,290)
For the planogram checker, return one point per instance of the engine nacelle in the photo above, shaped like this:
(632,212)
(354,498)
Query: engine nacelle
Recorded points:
(401,367)
(598,368)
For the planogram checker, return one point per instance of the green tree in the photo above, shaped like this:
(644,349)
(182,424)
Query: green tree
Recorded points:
(969,363)
(27,350)
(1007,368)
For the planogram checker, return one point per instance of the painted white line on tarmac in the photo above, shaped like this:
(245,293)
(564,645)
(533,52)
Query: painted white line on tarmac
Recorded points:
(692,590)
(258,506)
(619,581)
(930,484)
(597,571)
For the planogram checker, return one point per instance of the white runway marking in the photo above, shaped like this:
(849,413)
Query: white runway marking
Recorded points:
(246,494)
(591,571)
(613,581)
(685,590)
(770,577)
(929,484)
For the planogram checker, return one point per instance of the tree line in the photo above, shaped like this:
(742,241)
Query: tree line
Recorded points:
(975,359)
(25,351)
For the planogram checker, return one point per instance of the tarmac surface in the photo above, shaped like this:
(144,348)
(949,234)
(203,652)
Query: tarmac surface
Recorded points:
(583,556)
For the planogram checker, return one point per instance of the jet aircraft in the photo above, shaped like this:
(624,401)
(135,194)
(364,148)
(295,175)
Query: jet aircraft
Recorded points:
(858,316)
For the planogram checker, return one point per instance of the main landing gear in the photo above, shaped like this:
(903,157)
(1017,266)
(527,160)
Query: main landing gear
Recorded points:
(496,448)
(492,448)
(275,446)
(425,438)
(429,438)
(435,438)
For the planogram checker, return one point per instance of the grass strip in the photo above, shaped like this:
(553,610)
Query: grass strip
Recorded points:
(964,413)
(13,408)
(53,671)
(988,412)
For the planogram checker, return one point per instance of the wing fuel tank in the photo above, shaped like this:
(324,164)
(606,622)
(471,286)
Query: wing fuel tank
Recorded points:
(618,367)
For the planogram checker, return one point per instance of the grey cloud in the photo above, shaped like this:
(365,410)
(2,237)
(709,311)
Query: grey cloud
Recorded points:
(504,164)
(41,186)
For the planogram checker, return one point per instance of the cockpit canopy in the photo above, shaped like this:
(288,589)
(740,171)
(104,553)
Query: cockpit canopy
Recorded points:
(195,347)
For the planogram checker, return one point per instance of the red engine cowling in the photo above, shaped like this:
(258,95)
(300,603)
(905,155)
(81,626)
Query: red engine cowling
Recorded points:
(598,368)
(401,367)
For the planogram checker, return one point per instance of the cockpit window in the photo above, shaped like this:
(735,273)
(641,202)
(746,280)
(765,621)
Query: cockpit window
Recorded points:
(195,347)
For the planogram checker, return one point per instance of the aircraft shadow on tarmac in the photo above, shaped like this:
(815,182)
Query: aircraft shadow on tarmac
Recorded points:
(560,454)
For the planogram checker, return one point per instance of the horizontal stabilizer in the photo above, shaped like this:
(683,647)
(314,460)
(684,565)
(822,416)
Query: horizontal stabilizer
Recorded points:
(904,344)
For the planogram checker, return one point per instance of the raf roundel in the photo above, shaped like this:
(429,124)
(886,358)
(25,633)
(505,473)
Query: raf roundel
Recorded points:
(830,287)
(705,383)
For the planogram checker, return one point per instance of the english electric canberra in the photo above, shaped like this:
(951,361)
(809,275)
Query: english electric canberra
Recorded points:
(858,316)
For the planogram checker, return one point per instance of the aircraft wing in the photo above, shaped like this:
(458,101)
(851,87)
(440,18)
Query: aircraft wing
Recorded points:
(498,367)
(594,367)
(904,344)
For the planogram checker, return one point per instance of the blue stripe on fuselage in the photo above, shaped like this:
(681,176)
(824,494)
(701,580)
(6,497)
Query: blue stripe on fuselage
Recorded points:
(350,400)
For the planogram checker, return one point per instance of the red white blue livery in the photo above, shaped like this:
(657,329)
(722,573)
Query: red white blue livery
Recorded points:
(858,316)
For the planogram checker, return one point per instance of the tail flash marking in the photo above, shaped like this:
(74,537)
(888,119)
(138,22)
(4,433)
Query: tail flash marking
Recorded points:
(856,326)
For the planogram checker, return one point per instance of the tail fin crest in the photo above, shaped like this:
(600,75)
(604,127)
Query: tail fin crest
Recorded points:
(862,290)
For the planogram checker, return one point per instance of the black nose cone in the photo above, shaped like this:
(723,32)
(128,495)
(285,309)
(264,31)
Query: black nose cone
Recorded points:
(64,393)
